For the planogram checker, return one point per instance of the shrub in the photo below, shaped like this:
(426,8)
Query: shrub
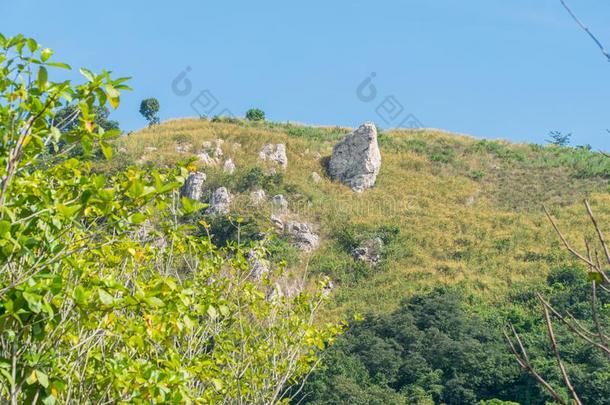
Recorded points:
(106,293)
(255,114)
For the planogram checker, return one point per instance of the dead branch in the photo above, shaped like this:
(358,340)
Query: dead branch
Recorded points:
(523,360)
(564,373)
(586,29)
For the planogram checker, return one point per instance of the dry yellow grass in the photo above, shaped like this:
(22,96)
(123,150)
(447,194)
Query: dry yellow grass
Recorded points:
(469,211)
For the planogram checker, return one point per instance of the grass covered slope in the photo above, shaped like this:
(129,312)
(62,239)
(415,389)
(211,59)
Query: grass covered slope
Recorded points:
(451,209)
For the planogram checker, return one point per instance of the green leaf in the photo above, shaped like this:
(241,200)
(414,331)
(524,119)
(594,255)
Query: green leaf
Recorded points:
(60,65)
(595,276)
(55,134)
(50,400)
(46,54)
(106,150)
(80,296)
(68,212)
(42,77)
(106,298)
(31,378)
(32,45)
(43,379)
(111,91)
(212,312)
(5,228)
(34,301)
(155,302)
(137,218)
(87,73)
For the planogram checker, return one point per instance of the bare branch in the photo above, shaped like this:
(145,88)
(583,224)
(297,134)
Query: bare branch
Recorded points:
(564,373)
(586,29)
(523,360)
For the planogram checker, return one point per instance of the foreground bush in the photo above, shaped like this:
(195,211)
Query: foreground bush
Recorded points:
(105,295)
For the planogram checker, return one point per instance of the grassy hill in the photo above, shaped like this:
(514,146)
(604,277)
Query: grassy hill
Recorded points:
(452,209)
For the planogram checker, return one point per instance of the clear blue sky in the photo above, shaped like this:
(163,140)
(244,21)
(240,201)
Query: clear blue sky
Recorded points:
(490,68)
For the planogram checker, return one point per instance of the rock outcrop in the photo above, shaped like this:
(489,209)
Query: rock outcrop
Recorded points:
(315,177)
(183,147)
(356,159)
(258,196)
(206,159)
(302,236)
(193,186)
(229,166)
(279,204)
(257,264)
(369,251)
(220,202)
(274,153)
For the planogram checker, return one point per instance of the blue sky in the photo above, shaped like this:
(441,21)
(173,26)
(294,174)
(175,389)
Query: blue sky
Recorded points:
(490,68)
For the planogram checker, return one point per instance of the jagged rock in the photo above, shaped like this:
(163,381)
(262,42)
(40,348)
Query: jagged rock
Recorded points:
(206,145)
(258,266)
(278,222)
(229,166)
(150,149)
(218,152)
(274,153)
(328,288)
(356,159)
(369,251)
(122,150)
(206,159)
(279,203)
(220,202)
(302,236)
(193,186)
(315,177)
(258,196)
(183,147)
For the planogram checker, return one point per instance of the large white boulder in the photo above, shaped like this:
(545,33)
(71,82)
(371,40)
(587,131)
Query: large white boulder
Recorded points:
(220,202)
(193,186)
(356,159)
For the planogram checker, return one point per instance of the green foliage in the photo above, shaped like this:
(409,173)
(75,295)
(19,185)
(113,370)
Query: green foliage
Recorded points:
(255,114)
(149,108)
(255,178)
(67,118)
(430,350)
(226,119)
(314,133)
(559,139)
(107,292)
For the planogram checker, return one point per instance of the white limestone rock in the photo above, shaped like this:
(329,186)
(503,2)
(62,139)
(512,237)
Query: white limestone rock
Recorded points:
(193,186)
(274,153)
(220,202)
(356,159)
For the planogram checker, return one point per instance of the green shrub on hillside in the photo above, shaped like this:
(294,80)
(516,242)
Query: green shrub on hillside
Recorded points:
(255,114)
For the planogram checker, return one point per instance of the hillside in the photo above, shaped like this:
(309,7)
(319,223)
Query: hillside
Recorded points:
(452,209)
